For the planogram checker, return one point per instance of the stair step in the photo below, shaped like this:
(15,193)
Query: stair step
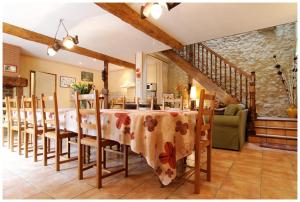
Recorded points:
(275,119)
(272,127)
(277,136)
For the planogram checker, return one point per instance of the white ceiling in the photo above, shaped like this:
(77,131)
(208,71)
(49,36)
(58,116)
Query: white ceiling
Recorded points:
(194,22)
(105,33)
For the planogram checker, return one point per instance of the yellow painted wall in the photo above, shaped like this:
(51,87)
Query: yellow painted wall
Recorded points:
(118,78)
(28,63)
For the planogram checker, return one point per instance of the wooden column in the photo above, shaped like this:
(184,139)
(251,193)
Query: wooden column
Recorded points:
(105,81)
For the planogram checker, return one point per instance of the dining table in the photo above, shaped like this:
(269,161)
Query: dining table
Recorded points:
(162,137)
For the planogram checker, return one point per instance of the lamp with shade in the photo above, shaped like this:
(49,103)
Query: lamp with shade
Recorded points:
(194,96)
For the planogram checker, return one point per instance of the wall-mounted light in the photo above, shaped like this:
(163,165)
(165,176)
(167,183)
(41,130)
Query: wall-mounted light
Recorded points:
(155,9)
(52,50)
(68,41)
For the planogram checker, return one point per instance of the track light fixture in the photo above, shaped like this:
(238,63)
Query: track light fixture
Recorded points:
(155,9)
(67,42)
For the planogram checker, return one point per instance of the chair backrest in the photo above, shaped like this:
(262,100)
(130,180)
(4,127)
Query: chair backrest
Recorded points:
(118,101)
(205,116)
(5,109)
(83,112)
(14,111)
(29,109)
(174,101)
(53,111)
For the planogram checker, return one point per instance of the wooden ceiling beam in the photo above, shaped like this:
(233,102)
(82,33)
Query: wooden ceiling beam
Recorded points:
(130,16)
(43,39)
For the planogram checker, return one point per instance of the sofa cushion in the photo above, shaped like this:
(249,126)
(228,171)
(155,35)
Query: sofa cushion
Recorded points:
(229,121)
(219,111)
(231,110)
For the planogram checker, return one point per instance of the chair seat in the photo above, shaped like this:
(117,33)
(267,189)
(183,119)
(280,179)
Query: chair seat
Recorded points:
(5,124)
(204,143)
(31,130)
(16,128)
(91,141)
(63,134)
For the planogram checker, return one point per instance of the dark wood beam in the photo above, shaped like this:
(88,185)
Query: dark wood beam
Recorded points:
(9,81)
(43,39)
(130,16)
(105,81)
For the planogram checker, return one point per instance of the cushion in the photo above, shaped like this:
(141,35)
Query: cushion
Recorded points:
(231,109)
(219,111)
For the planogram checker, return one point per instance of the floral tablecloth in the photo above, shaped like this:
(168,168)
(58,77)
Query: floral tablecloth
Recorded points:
(162,137)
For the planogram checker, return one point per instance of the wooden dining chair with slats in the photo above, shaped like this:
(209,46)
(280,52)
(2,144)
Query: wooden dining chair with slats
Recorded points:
(96,142)
(57,134)
(15,123)
(203,136)
(174,101)
(31,128)
(5,122)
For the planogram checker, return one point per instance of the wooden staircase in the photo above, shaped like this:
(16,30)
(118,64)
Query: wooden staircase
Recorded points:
(278,133)
(215,73)
(232,84)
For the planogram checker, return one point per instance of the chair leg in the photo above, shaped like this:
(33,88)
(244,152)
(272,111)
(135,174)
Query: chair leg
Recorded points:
(20,142)
(88,154)
(208,176)
(69,148)
(99,167)
(125,150)
(45,152)
(104,158)
(48,145)
(8,137)
(197,170)
(84,153)
(26,138)
(35,147)
(80,161)
(57,153)
(3,130)
(12,142)
(60,146)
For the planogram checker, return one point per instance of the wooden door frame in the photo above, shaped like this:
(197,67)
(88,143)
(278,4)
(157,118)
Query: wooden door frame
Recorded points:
(34,71)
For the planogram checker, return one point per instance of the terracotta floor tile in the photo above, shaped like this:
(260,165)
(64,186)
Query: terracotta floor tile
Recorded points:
(96,194)
(240,188)
(69,190)
(40,195)
(20,190)
(273,193)
(278,183)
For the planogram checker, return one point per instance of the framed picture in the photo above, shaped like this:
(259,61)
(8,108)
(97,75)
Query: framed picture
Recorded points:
(10,68)
(87,76)
(66,81)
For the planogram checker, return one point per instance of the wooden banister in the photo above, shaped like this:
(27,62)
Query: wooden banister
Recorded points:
(238,83)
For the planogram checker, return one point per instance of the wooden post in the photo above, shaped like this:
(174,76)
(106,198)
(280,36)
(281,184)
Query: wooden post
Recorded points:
(252,105)
(252,97)
(105,81)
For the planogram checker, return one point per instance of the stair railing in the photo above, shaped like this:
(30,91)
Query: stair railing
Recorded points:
(235,81)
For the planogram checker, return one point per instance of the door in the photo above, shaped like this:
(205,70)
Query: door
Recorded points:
(44,83)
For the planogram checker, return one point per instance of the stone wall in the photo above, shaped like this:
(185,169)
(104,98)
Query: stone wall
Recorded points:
(253,51)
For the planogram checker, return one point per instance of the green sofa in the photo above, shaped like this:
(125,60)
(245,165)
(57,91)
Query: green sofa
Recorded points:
(229,131)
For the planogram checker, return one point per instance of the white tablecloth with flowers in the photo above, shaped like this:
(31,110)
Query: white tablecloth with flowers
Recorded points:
(162,137)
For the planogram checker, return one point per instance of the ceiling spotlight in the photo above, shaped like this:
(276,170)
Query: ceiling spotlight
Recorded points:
(68,41)
(156,11)
(52,50)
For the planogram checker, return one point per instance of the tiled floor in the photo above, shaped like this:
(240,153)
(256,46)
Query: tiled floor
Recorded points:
(252,173)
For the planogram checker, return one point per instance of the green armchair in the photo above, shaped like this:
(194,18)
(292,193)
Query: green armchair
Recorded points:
(229,131)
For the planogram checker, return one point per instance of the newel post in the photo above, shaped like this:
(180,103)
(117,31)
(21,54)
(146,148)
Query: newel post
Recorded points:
(252,97)
(105,81)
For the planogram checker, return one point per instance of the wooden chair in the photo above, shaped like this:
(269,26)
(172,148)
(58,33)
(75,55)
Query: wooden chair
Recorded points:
(31,127)
(118,102)
(94,141)
(15,123)
(174,101)
(6,122)
(57,134)
(203,137)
